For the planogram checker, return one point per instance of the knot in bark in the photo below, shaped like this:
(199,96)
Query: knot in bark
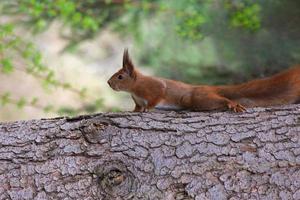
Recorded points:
(116,180)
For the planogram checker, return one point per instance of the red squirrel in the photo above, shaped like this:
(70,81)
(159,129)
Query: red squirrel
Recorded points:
(149,92)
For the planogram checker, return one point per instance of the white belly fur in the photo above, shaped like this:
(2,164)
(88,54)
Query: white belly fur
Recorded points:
(140,101)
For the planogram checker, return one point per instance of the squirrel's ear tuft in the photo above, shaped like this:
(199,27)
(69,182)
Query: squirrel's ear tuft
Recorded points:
(127,63)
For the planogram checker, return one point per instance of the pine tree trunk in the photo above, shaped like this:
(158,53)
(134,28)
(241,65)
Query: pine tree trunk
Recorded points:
(156,155)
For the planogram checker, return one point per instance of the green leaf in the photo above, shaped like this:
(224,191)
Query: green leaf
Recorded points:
(7,66)
(50,79)
(89,23)
(40,25)
(247,17)
(77,17)
(52,13)
(189,25)
(29,50)
(6,29)
(48,108)
(67,110)
(37,9)
(21,103)
(5,98)
(34,101)
(66,7)
(37,58)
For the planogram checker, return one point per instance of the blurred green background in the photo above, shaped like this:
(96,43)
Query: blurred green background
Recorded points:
(56,55)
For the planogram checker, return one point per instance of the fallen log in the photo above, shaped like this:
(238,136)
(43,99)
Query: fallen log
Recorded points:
(155,155)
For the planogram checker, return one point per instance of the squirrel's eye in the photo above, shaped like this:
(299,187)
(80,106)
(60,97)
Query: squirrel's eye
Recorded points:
(120,77)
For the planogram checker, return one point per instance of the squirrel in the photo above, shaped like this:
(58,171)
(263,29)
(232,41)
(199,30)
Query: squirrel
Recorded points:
(150,92)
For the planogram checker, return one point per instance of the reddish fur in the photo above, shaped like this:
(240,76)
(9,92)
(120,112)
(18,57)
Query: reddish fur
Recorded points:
(282,88)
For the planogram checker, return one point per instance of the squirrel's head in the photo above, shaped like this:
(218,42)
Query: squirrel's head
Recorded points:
(124,79)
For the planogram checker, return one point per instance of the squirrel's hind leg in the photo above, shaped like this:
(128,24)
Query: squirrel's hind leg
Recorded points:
(215,102)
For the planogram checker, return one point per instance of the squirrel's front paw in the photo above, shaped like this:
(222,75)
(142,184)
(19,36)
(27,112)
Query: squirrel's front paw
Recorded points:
(236,107)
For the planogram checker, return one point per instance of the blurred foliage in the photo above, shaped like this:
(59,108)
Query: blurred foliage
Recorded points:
(18,54)
(209,41)
(239,40)
(245,14)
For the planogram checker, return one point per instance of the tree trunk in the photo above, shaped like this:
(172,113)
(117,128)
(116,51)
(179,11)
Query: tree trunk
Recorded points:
(156,155)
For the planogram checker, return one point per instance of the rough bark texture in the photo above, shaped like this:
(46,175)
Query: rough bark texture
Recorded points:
(158,155)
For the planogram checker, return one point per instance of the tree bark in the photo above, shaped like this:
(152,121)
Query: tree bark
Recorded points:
(156,155)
